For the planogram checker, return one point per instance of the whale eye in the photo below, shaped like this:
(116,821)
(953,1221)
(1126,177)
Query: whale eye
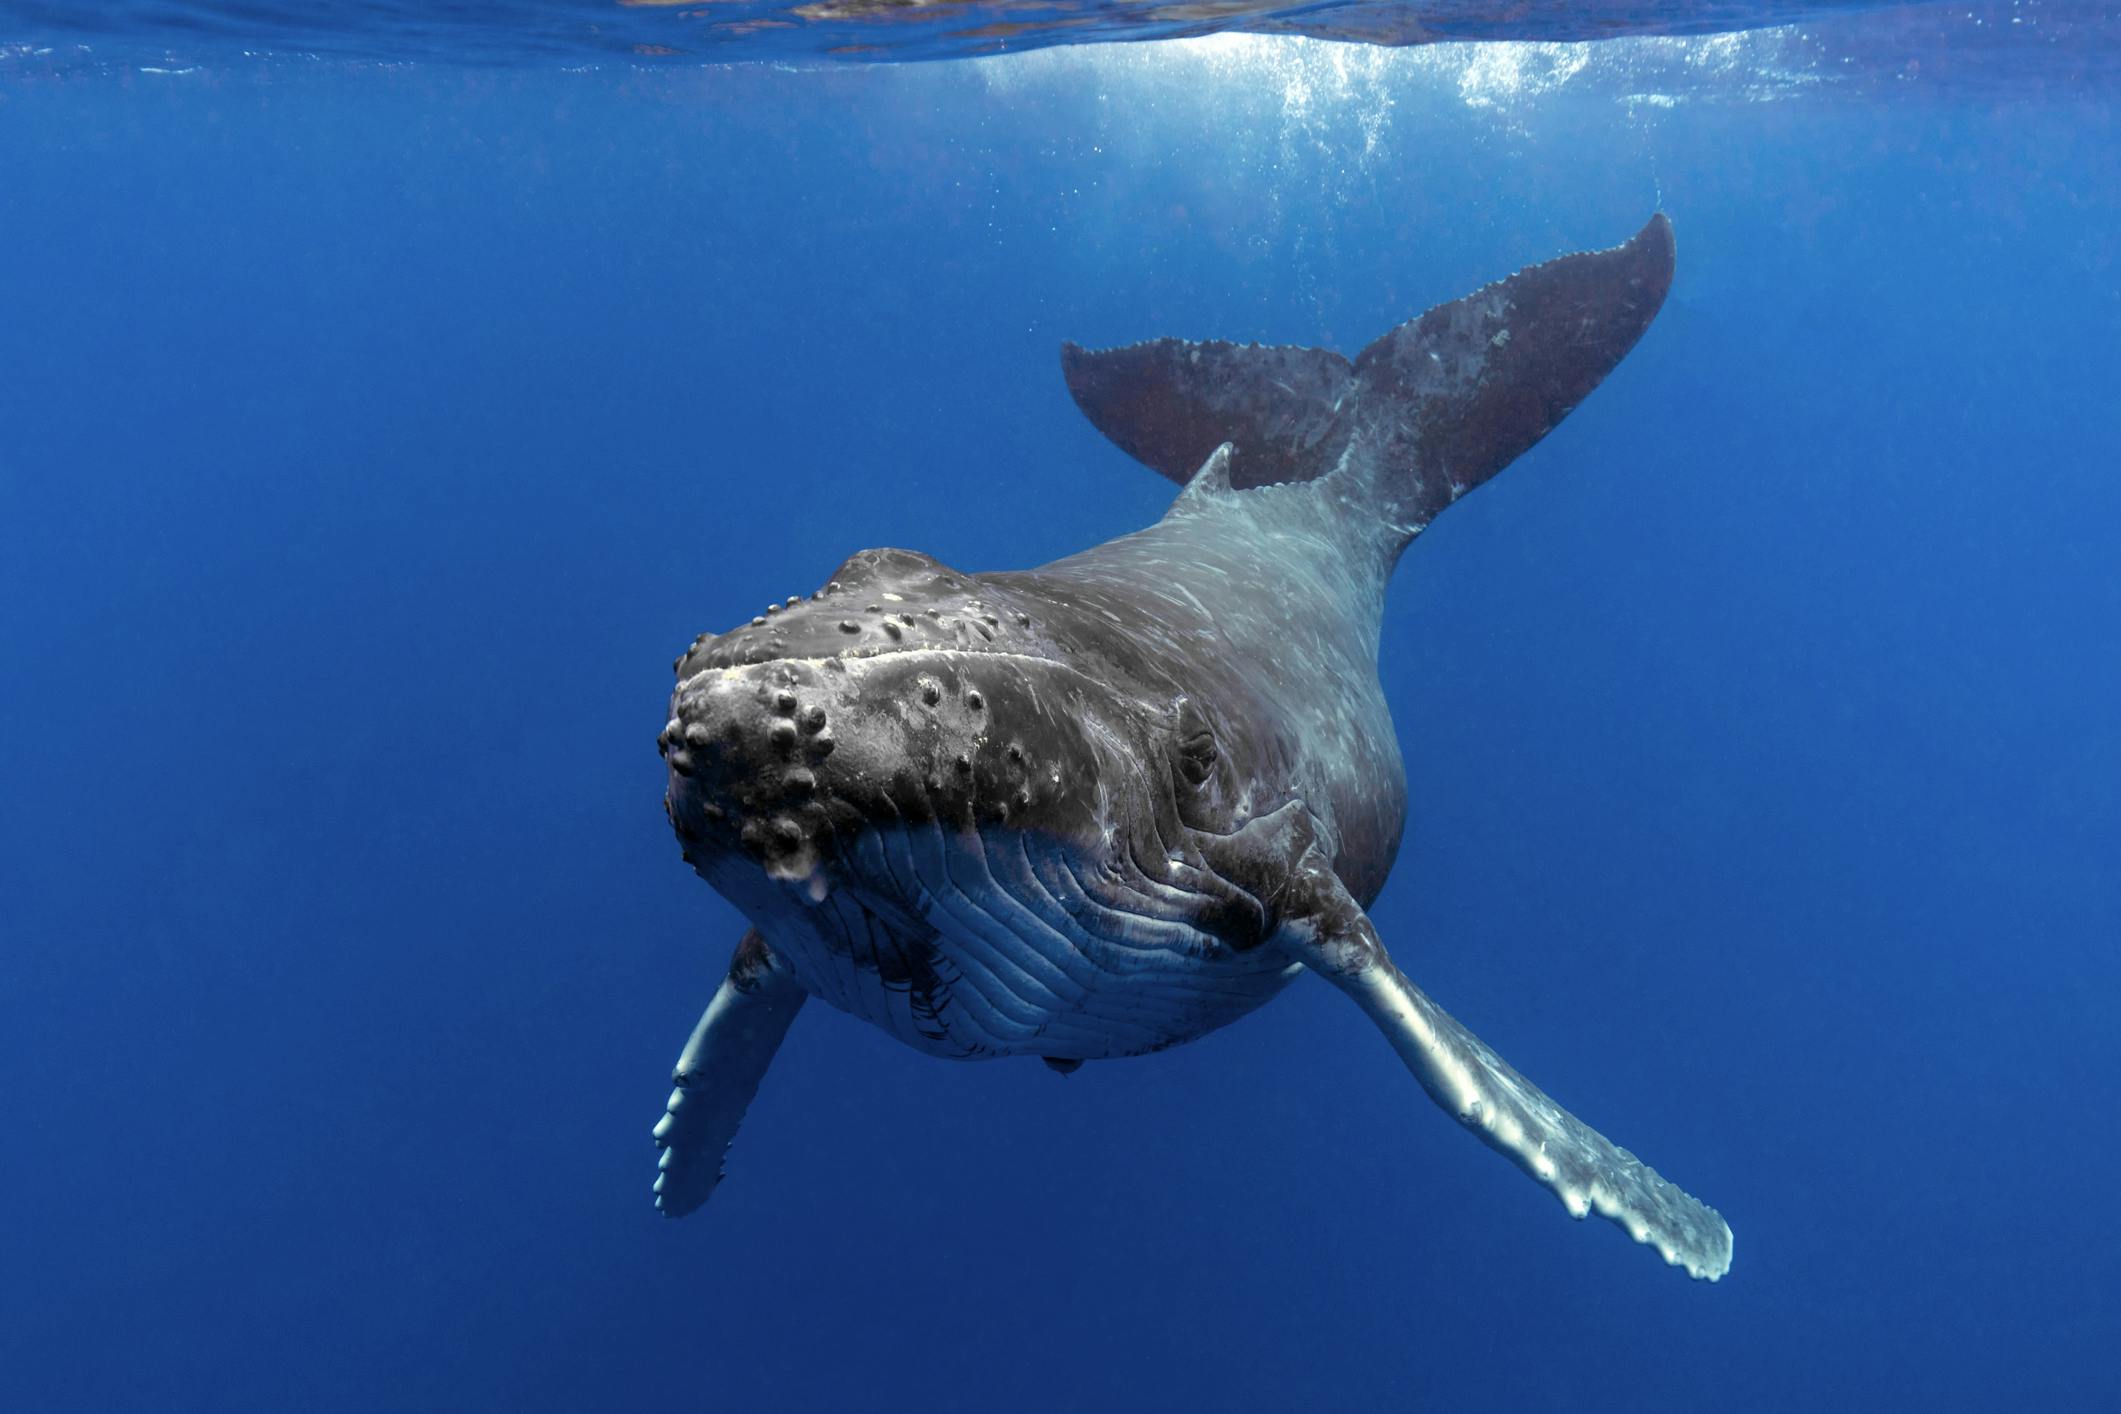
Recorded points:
(1196,749)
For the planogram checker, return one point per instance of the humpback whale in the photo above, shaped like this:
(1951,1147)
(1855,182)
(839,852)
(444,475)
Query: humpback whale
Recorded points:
(1106,806)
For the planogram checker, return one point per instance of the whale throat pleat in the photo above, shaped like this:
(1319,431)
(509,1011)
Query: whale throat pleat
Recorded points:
(973,943)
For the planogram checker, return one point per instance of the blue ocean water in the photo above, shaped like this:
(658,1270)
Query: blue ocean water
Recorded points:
(375,433)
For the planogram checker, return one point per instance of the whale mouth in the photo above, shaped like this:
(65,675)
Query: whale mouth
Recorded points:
(771,655)
(877,602)
(822,629)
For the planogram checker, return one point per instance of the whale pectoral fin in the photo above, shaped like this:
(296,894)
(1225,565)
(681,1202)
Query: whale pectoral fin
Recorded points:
(719,1072)
(1325,929)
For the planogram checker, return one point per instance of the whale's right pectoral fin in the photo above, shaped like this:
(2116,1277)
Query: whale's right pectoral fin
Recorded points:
(719,1072)
(1325,929)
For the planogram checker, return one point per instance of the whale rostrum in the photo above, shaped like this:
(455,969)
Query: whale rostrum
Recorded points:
(1105,806)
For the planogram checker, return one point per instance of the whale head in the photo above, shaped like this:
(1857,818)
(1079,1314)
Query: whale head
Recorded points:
(900,693)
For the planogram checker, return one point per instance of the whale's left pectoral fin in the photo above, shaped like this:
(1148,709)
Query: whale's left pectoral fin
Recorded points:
(719,1072)
(1325,929)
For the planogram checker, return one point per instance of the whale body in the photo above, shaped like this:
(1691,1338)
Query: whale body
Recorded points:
(1105,806)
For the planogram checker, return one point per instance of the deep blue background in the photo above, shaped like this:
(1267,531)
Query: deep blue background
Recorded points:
(370,442)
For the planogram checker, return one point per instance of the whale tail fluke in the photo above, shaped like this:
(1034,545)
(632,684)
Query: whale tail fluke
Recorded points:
(1424,414)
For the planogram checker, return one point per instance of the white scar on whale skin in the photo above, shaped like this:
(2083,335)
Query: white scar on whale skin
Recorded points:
(1106,806)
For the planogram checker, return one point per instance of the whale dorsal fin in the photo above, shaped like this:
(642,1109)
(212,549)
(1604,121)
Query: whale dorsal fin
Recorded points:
(1423,415)
(1213,478)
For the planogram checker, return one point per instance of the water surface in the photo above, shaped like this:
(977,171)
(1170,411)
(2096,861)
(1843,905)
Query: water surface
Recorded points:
(378,426)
